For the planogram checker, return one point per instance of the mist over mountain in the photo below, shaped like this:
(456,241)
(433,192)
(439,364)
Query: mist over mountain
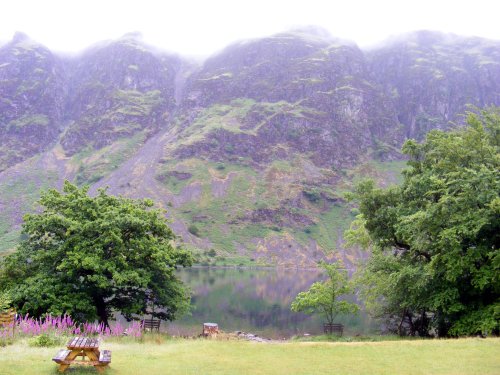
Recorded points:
(250,151)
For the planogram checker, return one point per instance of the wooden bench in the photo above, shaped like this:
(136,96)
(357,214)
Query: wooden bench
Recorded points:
(330,328)
(61,356)
(105,357)
(151,324)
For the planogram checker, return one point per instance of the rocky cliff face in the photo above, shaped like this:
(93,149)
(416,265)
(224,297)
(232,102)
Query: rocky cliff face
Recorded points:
(116,90)
(296,93)
(250,151)
(432,77)
(32,93)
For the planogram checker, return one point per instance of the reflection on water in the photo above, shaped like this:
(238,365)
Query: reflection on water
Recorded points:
(254,300)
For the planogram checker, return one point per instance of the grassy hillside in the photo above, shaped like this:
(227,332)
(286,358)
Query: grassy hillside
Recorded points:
(21,185)
(286,212)
(263,214)
(92,165)
(18,193)
(251,151)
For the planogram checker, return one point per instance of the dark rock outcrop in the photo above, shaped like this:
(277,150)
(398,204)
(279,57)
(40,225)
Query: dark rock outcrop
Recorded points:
(116,90)
(32,92)
(432,77)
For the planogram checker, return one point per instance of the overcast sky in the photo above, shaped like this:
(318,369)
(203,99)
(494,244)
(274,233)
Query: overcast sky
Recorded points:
(202,27)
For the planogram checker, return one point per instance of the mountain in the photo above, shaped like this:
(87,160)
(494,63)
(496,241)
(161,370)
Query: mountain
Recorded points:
(250,151)
(116,90)
(32,95)
(432,77)
(295,93)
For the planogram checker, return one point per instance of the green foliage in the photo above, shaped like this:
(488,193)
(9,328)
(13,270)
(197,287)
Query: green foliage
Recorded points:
(323,296)
(357,233)
(435,266)
(232,118)
(136,103)
(90,256)
(194,230)
(93,165)
(45,341)
(312,195)
(5,301)
(221,202)
(6,340)
(38,120)
(328,228)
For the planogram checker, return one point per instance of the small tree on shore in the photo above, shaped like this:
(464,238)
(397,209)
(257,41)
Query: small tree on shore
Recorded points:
(323,296)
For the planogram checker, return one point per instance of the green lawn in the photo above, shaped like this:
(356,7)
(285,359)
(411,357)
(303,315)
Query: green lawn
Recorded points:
(199,357)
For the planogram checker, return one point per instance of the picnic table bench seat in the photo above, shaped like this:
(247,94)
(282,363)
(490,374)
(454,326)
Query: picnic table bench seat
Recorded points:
(105,356)
(60,357)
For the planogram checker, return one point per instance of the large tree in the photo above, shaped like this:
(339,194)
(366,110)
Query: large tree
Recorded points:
(435,264)
(92,256)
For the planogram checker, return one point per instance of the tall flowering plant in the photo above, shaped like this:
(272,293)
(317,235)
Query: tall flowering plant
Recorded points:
(65,326)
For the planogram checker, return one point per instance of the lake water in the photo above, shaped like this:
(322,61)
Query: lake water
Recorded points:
(256,301)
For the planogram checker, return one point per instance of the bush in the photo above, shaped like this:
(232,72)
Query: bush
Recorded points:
(194,230)
(44,341)
(312,196)
(5,301)
(4,341)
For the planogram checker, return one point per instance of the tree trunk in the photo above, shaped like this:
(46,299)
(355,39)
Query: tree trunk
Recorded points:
(102,312)
(411,325)
(400,327)
(424,330)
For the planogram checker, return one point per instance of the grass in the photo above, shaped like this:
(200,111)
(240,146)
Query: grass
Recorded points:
(331,224)
(219,116)
(93,165)
(209,213)
(232,117)
(457,357)
(19,195)
(226,219)
(136,103)
(9,240)
(37,120)
(383,173)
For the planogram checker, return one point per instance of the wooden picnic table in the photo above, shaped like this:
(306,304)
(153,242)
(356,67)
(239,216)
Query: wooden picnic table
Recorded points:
(88,349)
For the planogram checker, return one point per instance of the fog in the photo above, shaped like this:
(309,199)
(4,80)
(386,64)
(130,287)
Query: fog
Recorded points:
(199,28)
